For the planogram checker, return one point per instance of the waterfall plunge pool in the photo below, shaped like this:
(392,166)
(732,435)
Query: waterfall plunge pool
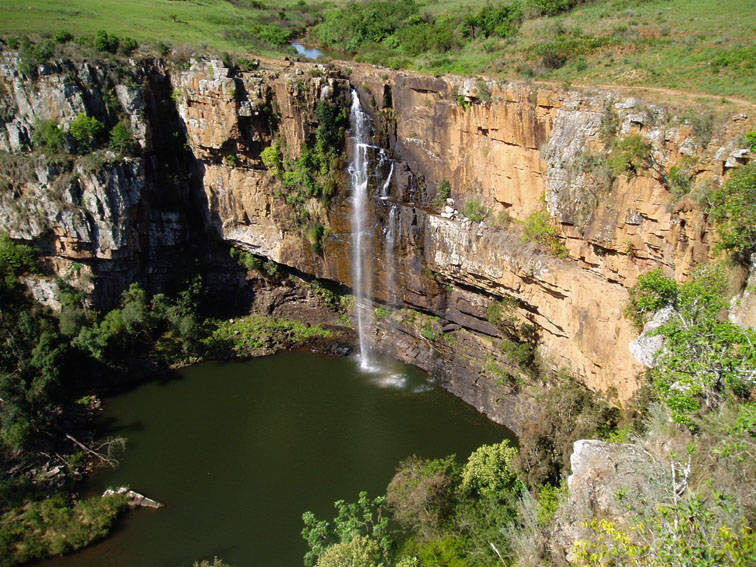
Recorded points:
(238,450)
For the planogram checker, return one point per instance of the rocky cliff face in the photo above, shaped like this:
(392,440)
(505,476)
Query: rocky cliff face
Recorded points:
(507,151)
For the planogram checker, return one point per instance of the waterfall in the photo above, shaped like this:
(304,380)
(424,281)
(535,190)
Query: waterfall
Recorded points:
(388,253)
(361,245)
(386,189)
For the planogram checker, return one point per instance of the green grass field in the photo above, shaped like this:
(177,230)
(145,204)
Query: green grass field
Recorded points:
(698,46)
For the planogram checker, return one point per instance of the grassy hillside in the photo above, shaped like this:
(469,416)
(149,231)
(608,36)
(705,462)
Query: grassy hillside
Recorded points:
(705,46)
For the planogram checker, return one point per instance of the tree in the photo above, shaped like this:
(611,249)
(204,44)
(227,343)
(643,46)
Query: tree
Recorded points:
(48,137)
(360,551)
(121,140)
(489,471)
(87,131)
(733,210)
(363,518)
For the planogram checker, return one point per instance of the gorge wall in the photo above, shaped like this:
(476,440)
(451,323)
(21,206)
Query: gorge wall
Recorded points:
(507,151)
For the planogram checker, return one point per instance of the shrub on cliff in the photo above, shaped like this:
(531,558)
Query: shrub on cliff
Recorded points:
(33,55)
(630,155)
(48,137)
(705,358)
(121,140)
(87,131)
(474,210)
(566,413)
(421,493)
(539,227)
(105,42)
(653,291)
(733,210)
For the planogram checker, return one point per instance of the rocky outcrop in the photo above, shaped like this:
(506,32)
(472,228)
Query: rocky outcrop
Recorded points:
(135,499)
(507,147)
(507,150)
(743,305)
(103,219)
(608,480)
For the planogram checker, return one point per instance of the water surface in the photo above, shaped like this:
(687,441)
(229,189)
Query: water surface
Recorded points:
(237,451)
(308,52)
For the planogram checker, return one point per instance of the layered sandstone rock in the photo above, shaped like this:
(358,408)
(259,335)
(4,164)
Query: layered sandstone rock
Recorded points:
(512,149)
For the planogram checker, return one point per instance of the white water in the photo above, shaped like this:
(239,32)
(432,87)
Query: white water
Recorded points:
(361,245)
(388,254)
(386,189)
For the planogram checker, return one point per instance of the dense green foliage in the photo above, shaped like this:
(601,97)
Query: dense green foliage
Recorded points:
(679,44)
(87,131)
(121,140)
(362,521)
(48,137)
(448,515)
(705,358)
(55,526)
(539,227)
(630,155)
(653,291)
(566,413)
(734,212)
(315,172)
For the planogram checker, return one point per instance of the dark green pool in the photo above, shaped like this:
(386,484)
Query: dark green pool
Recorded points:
(237,451)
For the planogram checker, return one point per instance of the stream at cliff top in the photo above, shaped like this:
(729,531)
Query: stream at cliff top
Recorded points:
(238,450)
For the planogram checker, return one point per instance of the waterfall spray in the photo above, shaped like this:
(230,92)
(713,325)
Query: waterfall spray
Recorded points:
(361,245)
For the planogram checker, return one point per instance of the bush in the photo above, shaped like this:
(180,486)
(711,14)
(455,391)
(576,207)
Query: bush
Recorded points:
(273,160)
(539,227)
(679,180)
(653,291)
(444,191)
(246,260)
(501,21)
(271,34)
(361,520)
(105,42)
(315,235)
(704,359)
(48,137)
(501,313)
(33,55)
(688,532)
(360,551)
(630,155)
(121,140)
(750,140)
(550,7)
(733,210)
(489,472)
(420,494)
(63,37)
(87,132)
(566,413)
(474,210)
(127,45)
